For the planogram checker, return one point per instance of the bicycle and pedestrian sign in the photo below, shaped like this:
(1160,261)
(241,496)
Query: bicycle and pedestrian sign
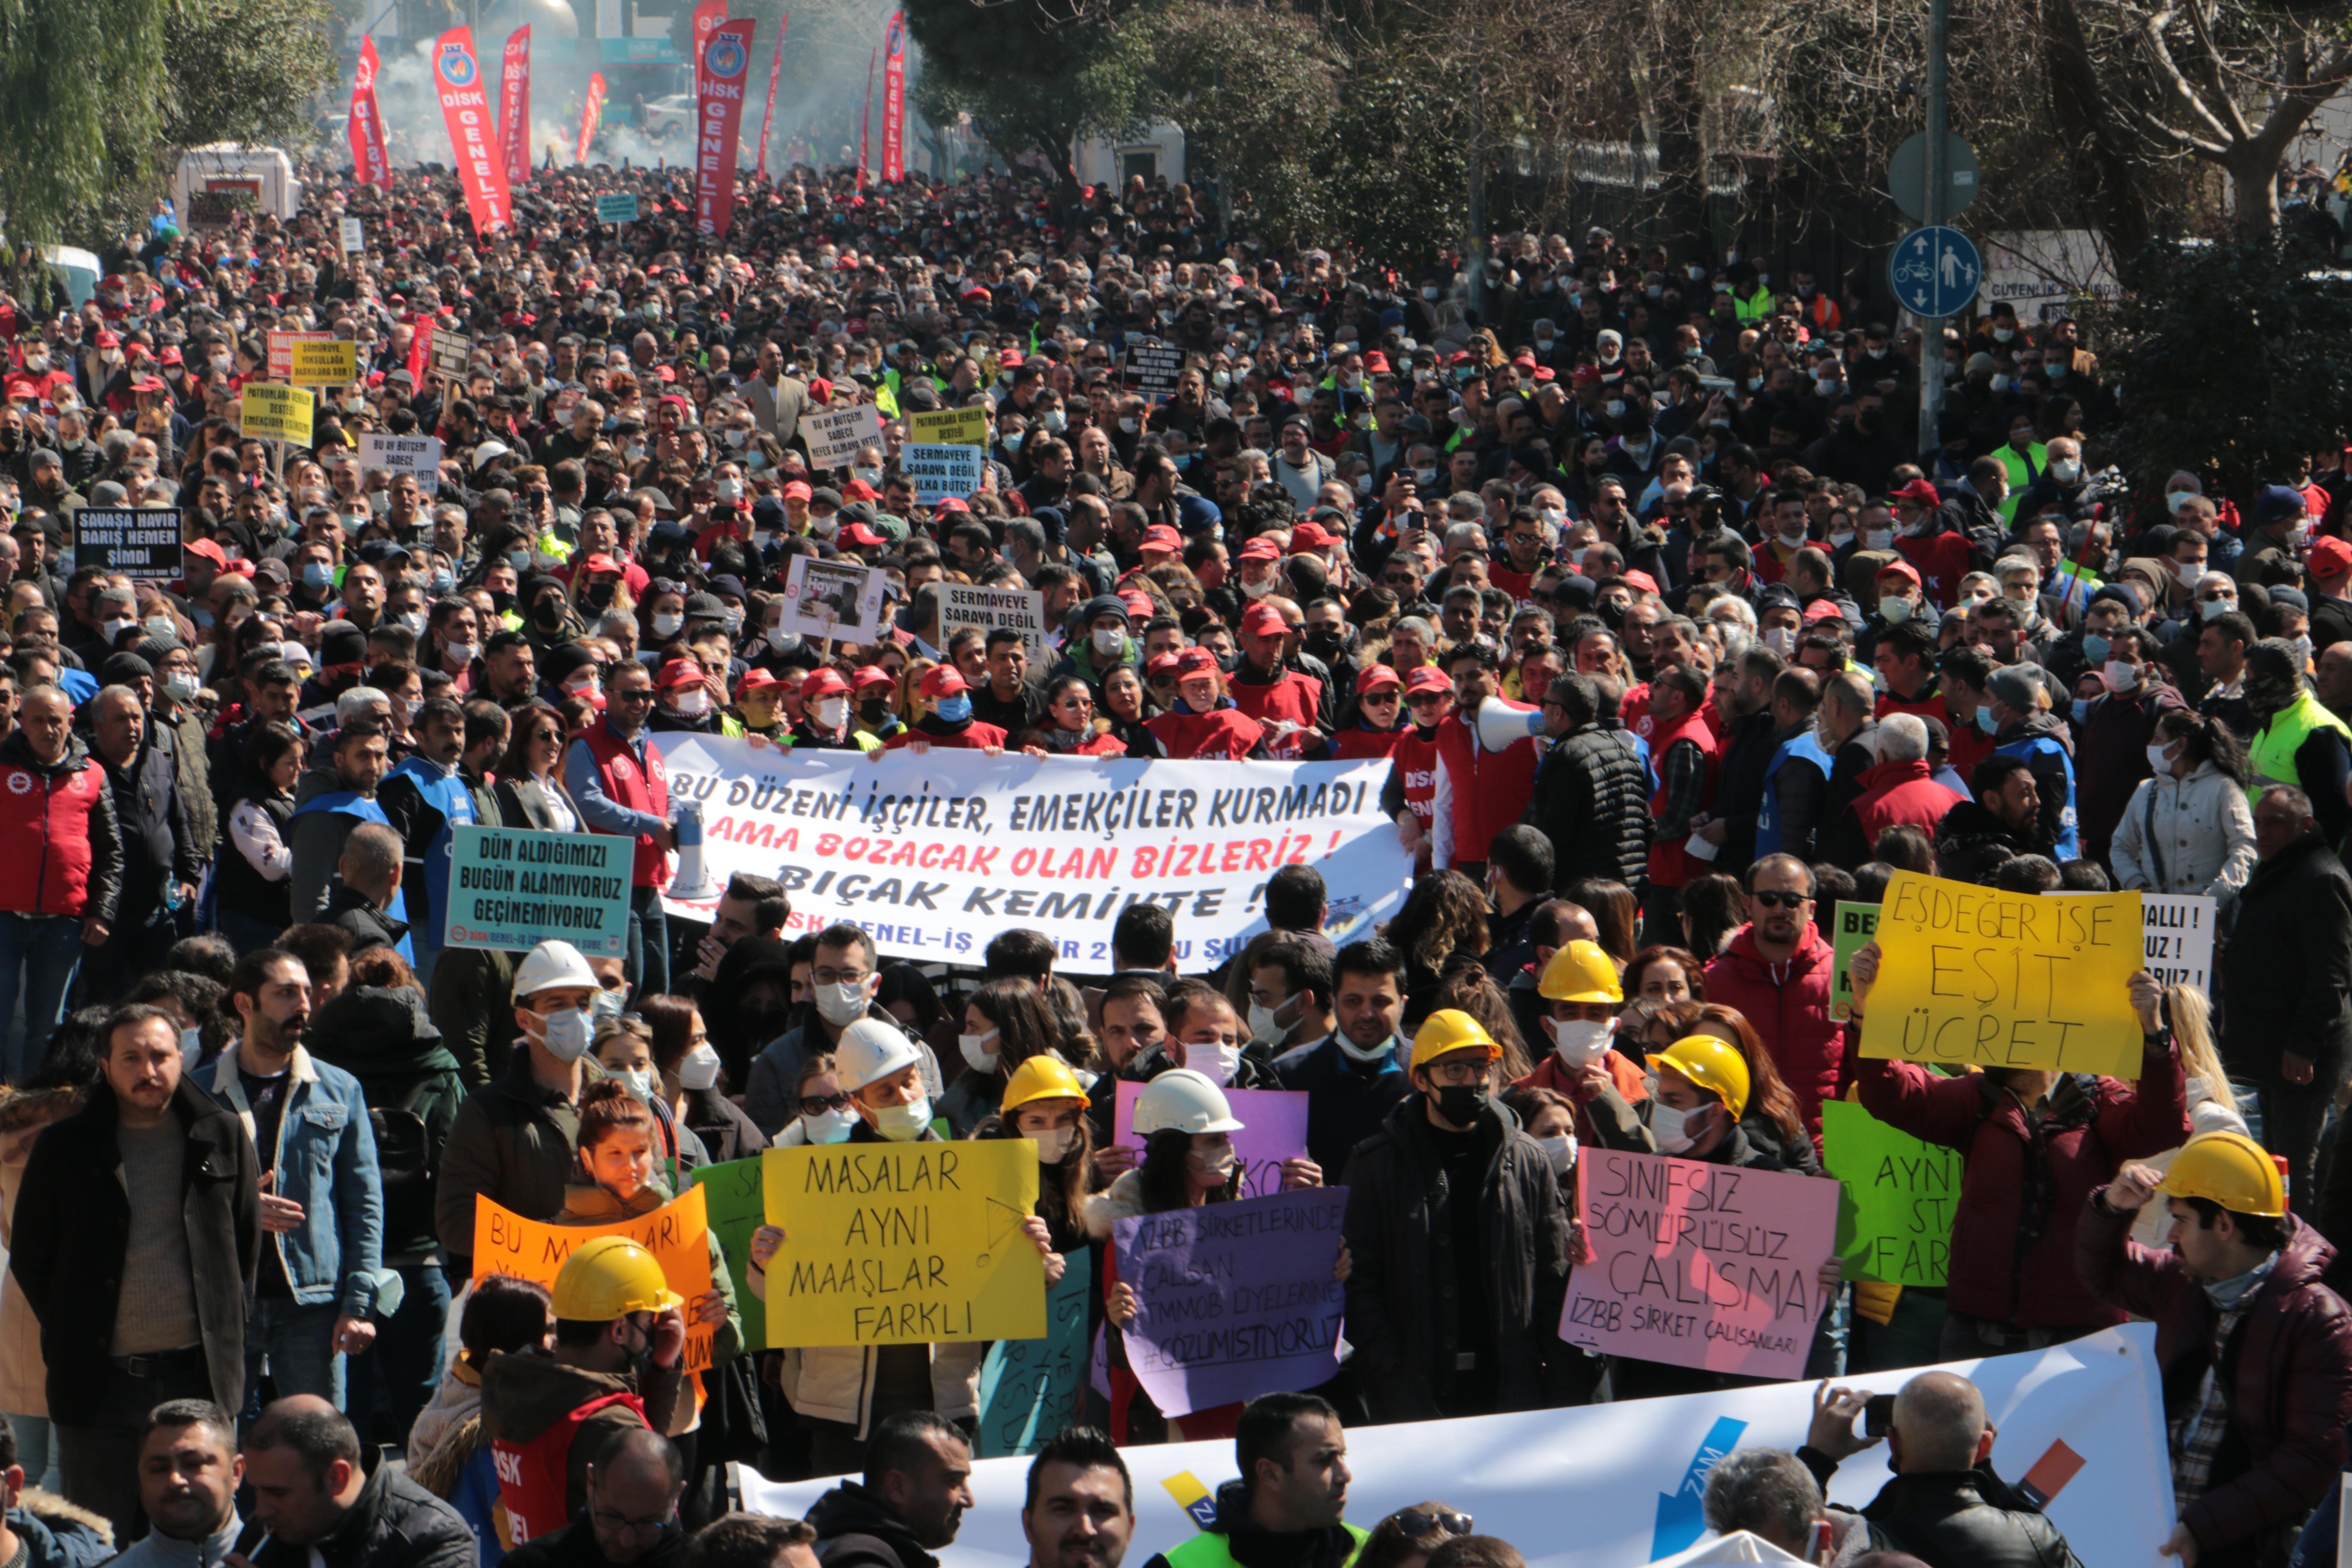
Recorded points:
(1935,271)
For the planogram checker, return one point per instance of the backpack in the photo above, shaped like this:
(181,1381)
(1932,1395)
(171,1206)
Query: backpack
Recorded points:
(406,1162)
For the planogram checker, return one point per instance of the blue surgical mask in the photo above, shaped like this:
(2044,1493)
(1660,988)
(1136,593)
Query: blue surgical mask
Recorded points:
(955,709)
(1984,718)
(2081,710)
(444,583)
(2094,649)
(317,574)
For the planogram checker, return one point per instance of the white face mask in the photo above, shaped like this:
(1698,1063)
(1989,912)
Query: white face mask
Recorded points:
(1219,1164)
(1892,609)
(2122,678)
(639,1083)
(830,1126)
(903,1123)
(566,1033)
(1055,1146)
(840,1005)
(2159,757)
(781,640)
(1109,641)
(183,686)
(978,1053)
(699,1068)
(692,704)
(1561,1150)
(1255,590)
(1578,1042)
(833,712)
(1879,538)
(1224,1060)
(1263,1025)
(1668,1127)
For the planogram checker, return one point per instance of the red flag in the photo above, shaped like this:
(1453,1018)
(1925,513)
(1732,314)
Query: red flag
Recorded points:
(592,114)
(894,100)
(370,164)
(718,79)
(866,118)
(458,77)
(775,70)
(706,16)
(514,105)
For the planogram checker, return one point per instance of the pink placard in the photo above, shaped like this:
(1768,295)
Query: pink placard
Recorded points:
(1273,1130)
(1700,1265)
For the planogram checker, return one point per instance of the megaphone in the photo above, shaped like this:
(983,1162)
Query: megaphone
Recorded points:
(692,880)
(1501,723)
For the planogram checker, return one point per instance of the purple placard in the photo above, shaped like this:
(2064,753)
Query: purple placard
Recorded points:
(1235,1299)
(1274,1129)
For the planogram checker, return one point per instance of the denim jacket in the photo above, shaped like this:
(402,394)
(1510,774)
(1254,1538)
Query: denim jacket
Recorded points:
(325,1161)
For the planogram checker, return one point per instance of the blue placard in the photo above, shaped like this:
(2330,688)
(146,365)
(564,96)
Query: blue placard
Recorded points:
(617,209)
(1935,271)
(514,888)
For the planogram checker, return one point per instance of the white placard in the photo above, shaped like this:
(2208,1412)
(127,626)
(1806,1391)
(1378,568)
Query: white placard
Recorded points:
(354,241)
(416,454)
(2181,938)
(841,598)
(833,435)
(1023,609)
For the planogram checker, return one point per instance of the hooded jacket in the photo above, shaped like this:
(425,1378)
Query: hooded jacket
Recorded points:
(856,1529)
(526,1393)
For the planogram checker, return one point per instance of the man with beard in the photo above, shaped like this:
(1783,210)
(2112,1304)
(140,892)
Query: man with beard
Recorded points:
(910,1502)
(1081,1507)
(189,1470)
(2296,739)
(1287,1510)
(2002,822)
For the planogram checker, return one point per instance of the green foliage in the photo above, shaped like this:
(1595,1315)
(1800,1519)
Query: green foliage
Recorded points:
(1035,76)
(1392,172)
(242,69)
(2251,316)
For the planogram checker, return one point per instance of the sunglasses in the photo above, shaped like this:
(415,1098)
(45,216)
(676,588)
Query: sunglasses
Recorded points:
(818,1104)
(1780,901)
(1413,1523)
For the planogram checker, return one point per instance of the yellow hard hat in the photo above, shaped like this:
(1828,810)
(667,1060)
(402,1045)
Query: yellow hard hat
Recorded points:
(1042,1077)
(1582,972)
(2230,1168)
(1711,1064)
(609,1276)
(1448,1030)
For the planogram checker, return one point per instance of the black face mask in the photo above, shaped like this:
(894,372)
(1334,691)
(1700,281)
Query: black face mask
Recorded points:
(600,596)
(501,601)
(1326,646)
(548,612)
(872,709)
(1462,1103)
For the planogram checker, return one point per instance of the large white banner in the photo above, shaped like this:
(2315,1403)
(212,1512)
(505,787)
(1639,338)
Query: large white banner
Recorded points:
(936,854)
(1607,1485)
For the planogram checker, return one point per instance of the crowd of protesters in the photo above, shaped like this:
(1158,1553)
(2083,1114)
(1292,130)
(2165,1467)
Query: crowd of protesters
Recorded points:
(1668,511)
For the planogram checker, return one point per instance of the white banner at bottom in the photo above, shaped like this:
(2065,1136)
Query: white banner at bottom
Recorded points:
(1603,1486)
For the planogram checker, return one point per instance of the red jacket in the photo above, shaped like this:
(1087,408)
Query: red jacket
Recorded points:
(61,851)
(1790,1007)
(2024,1190)
(2290,1367)
(1897,793)
(1942,560)
(645,789)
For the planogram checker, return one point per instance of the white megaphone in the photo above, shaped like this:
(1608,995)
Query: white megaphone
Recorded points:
(1501,723)
(691,882)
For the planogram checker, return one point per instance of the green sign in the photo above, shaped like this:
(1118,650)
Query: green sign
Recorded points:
(514,888)
(731,1193)
(622,208)
(1895,1218)
(1031,1389)
(1855,925)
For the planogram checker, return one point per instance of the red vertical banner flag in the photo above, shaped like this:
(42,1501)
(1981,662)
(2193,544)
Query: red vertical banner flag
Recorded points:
(865,119)
(718,83)
(457,79)
(775,70)
(707,18)
(592,112)
(894,100)
(370,163)
(514,105)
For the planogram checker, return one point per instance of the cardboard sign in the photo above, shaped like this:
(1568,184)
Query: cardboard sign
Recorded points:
(511,889)
(281,352)
(838,598)
(449,354)
(1152,367)
(948,428)
(1698,1265)
(735,1207)
(330,362)
(1235,1299)
(139,541)
(1851,929)
(354,239)
(1030,1389)
(677,1234)
(1274,1129)
(418,456)
(1972,977)
(941,473)
(622,208)
(276,412)
(1023,609)
(1894,1222)
(904,1244)
(835,435)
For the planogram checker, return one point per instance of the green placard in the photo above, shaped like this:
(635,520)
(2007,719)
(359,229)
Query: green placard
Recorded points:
(514,888)
(732,1197)
(1895,1218)
(1854,925)
(1030,1389)
(621,208)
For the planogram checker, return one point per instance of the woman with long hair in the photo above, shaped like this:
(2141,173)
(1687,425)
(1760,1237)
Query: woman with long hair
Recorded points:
(1662,973)
(1204,723)
(1614,910)
(1005,1023)
(1771,1119)
(1070,728)
(530,788)
(1044,1103)
(1714,906)
(1444,913)
(693,1083)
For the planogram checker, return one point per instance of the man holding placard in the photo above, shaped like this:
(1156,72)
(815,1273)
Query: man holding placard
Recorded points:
(2038,1140)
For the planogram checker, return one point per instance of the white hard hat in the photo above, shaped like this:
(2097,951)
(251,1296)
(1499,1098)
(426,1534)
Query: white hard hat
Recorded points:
(549,965)
(871,1051)
(1182,1101)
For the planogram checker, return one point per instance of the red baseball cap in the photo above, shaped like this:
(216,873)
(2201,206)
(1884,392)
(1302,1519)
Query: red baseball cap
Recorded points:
(1919,491)
(873,675)
(2330,557)
(1159,536)
(1428,677)
(1901,569)
(942,680)
(1824,610)
(1376,677)
(209,549)
(1138,602)
(1642,580)
(756,680)
(1262,548)
(1195,661)
(825,682)
(1311,536)
(952,503)
(1162,666)
(857,533)
(679,672)
(1264,621)
(798,490)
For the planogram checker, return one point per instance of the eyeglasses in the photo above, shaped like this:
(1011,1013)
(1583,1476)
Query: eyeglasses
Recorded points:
(818,1104)
(1412,1525)
(618,1524)
(1383,698)
(1772,900)
(642,694)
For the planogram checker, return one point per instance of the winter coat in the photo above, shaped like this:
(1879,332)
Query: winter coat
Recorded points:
(2111,759)
(2287,965)
(1592,799)
(856,1529)
(2192,834)
(1790,1008)
(382,1038)
(515,1139)
(1963,1518)
(526,1393)
(393,1523)
(2286,1371)
(1895,794)
(2025,1181)
(23,1114)
(57,1535)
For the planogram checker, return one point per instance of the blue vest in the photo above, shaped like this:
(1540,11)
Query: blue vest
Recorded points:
(446,793)
(1801,747)
(2033,746)
(349,802)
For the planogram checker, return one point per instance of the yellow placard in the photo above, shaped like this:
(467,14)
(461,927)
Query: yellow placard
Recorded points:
(948,428)
(276,412)
(892,1244)
(1971,977)
(677,1234)
(328,363)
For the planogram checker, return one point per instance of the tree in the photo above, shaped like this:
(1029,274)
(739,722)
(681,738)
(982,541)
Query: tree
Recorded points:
(2250,314)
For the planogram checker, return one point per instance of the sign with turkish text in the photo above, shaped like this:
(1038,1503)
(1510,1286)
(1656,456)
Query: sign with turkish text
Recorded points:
(465,110)
(142,543)
(940,473)
(1894,1224)
(1023,609)
(1274,1129)
(724,67)
(1031,1389)
(835,435)
(949,426)
(324,362)
(370,163)
(514,105)
(417,455)
(276,412)
(511,889)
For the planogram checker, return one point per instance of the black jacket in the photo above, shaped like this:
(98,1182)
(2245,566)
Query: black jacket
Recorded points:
(1971,844)
(1255,1546)
(2287,969)
(73,1223)
(368,926)
(394,1523)
(1747,747)
(158,844)
(574,1546)
(1399,1238)
(1592,799)
(855,1529)
(1963,1518)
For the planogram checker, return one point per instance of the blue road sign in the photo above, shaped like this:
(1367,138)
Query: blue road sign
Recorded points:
(1935,271)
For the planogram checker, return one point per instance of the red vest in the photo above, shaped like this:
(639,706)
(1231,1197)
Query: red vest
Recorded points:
(1519,586)
(645,789)
(1227,733)
(534,1477)
(1415,759)
(976,736)
(1293,698)
(1349,745)
(1672,865)
(45,853)
(1490,788)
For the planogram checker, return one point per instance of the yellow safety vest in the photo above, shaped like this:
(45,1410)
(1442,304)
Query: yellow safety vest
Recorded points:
(2272,752)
